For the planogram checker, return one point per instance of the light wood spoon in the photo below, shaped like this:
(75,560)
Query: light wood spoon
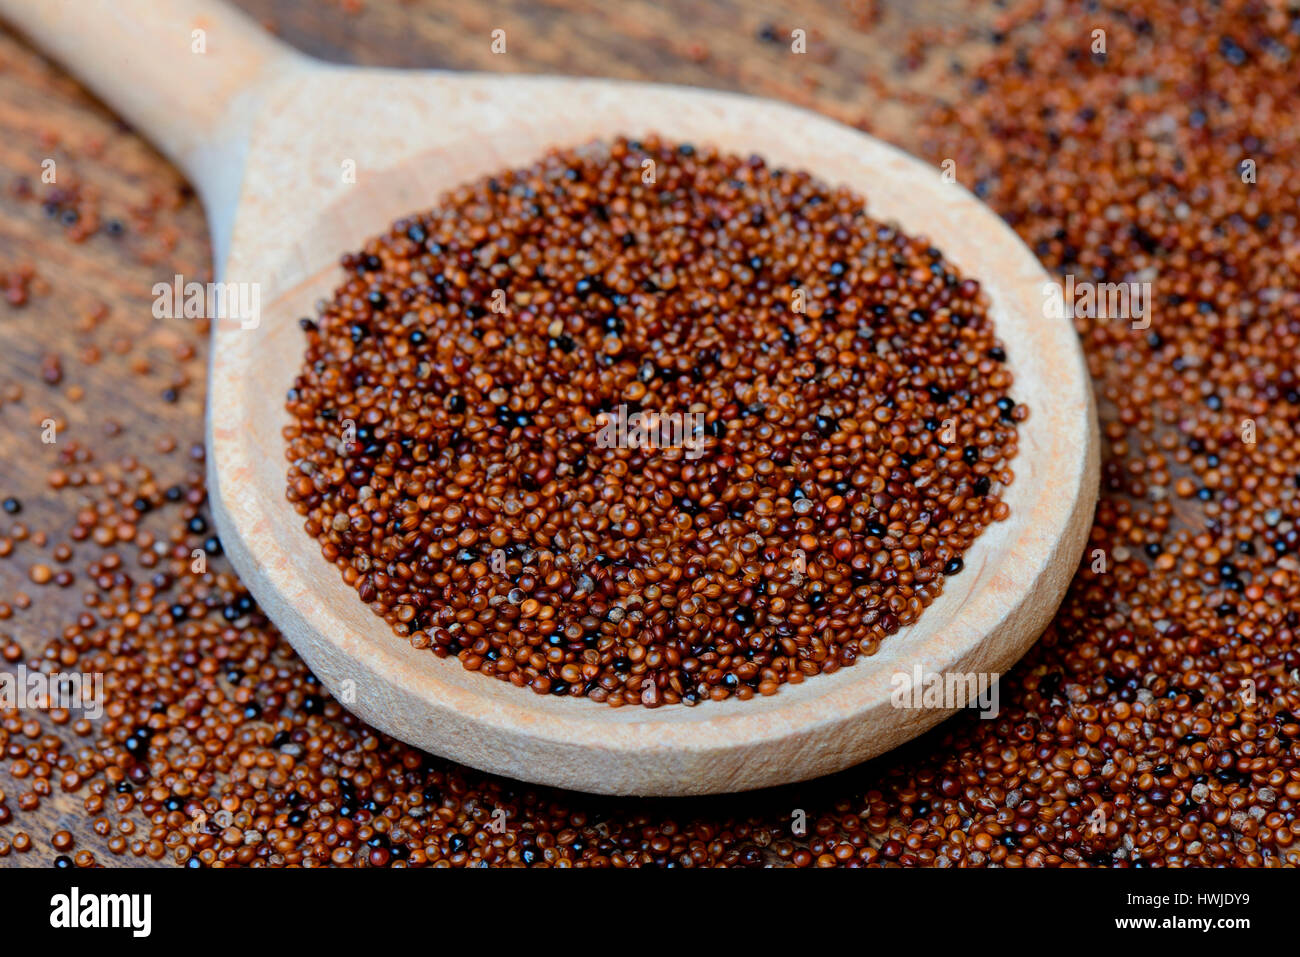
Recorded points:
(269,136)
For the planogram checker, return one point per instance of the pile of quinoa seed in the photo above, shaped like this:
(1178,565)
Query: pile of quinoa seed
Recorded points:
(1156,723)
(844,425)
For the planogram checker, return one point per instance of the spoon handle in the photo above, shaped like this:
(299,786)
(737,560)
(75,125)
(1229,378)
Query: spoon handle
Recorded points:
(182,72)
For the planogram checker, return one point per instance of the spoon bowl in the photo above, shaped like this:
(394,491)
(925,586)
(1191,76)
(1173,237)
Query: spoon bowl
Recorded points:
(298,161)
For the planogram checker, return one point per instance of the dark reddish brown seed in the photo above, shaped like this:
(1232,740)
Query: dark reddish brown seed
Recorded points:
(1156,723)
(447,444)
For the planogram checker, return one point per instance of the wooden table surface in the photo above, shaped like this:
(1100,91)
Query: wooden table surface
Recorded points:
(84,348)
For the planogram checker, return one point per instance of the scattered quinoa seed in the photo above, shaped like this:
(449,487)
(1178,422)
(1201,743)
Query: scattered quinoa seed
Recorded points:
(1162,695)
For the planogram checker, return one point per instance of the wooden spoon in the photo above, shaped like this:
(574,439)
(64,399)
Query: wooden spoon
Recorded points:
(298,161)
